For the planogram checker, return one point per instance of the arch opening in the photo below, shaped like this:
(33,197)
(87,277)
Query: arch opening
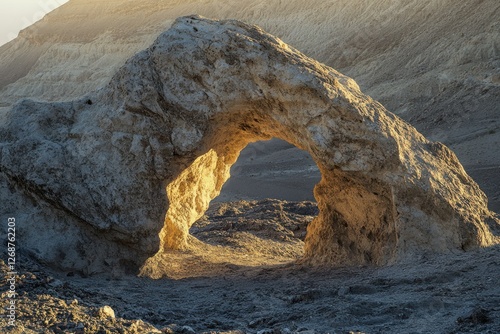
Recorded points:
(270,225)
(355,221)
(271,169)
(263,210)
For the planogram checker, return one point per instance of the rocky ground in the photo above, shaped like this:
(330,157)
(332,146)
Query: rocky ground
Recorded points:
(451,293)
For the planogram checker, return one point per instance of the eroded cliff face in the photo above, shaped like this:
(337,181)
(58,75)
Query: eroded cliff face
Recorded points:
(112,178)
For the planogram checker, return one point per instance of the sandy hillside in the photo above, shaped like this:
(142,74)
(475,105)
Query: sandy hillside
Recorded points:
(434,63)
(271,169)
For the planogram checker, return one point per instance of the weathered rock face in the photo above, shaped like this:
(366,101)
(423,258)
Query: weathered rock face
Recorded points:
(110,179)
(435,64)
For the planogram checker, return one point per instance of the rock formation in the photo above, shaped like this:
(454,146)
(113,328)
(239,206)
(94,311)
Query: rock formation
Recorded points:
(435,64)
(110,179)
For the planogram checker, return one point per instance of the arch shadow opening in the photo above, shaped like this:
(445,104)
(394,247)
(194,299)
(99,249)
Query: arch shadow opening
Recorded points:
(248,210)
(263,210)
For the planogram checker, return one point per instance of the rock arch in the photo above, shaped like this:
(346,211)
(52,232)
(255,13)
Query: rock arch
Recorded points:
(162,135)
(344,197)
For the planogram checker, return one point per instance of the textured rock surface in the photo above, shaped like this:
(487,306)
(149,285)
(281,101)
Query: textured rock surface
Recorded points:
(435,64)
(91,179)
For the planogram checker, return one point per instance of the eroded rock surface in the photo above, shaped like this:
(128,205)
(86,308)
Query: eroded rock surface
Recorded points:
(90,181)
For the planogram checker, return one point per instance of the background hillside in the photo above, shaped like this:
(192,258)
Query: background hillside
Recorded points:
(435,63)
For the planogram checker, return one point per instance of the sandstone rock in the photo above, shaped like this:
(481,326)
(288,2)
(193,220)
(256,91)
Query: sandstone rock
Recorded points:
(109,179)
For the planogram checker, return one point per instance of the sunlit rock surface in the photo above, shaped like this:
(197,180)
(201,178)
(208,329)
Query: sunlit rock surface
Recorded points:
(436,64)
(108,180)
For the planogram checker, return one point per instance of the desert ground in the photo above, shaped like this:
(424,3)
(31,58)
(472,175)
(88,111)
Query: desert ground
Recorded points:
(435,64)
(247,277)
(259,285)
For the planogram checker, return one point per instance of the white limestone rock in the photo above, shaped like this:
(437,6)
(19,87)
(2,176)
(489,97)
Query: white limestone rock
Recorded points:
(108,180)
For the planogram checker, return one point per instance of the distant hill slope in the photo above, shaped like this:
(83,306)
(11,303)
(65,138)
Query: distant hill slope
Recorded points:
(436,63)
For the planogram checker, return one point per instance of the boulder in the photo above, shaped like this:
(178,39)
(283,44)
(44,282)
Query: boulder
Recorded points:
(112,178)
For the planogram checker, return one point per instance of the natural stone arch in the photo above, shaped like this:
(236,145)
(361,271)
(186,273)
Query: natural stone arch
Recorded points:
(162,135)
(365,154)
(370,209)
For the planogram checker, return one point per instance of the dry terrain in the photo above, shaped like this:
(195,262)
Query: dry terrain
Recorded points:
(436,64)
(252,288)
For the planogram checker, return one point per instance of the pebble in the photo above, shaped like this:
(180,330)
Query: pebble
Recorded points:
(73,302)
(176,329)
(106,312)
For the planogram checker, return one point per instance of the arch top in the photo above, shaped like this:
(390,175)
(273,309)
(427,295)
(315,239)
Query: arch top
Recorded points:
(174,118)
